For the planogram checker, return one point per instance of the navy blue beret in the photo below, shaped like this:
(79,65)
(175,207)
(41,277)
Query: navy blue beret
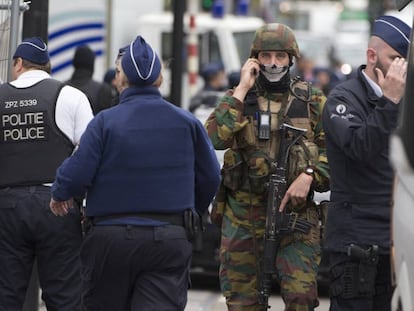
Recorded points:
(109,75)
(394,32)
(34,50)
(140,63)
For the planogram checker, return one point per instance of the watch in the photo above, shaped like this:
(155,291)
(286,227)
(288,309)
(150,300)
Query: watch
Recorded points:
(309,171)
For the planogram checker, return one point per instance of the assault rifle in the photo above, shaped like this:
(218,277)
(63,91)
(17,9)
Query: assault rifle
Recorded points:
(278,223)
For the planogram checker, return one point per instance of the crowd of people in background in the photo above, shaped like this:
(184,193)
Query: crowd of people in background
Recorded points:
(323,77)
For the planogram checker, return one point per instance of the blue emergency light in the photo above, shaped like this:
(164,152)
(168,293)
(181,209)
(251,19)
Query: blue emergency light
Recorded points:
(242,7)
(218,9)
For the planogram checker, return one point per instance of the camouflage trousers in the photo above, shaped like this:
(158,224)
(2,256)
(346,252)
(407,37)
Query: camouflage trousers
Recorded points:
(297,263)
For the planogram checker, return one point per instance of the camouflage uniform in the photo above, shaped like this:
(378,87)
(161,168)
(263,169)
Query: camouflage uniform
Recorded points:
(242,198)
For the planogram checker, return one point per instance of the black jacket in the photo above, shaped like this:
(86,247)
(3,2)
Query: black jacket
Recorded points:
(98,93)
(357,126)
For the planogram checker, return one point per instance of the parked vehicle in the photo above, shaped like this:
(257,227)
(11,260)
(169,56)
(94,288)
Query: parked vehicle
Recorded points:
(402,157)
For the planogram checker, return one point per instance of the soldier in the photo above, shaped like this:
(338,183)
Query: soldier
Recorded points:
(358,119)
(246,122)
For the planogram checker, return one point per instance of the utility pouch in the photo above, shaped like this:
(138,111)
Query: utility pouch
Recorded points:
(346,281)
(246,137)
(232,171)
(356,279)
(192,224)
(367,269)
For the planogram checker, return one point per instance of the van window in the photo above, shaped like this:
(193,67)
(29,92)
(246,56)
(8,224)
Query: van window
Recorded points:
(208,48)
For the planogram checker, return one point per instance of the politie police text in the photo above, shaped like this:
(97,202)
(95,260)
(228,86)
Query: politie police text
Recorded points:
(23,126)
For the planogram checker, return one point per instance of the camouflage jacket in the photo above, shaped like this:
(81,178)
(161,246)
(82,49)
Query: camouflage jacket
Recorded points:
(230,127)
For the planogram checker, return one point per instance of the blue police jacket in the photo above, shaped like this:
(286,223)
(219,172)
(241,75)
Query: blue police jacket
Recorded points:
(143,156)
(357,126)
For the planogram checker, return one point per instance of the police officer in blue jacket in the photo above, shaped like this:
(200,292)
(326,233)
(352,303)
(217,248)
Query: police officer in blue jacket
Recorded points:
(143,165)
(359,117)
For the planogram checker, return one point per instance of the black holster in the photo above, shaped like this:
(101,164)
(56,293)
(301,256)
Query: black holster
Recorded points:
(86,225)
(356,278)
(193,225)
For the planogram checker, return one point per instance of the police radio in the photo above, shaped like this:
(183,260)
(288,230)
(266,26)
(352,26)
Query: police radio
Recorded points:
(264,125)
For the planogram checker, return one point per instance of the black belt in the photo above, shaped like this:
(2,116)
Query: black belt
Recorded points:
(174,219)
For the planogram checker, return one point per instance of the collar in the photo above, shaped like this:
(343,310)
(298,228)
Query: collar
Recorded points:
(373,84)
(139,90)
(370,85)
(82,73)
(29,78)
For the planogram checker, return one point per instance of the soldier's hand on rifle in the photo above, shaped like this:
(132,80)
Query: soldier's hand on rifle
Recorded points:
(297,192)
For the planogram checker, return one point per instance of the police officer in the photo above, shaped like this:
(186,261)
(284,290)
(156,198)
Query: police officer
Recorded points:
(247,121)
(215,83)
(359,117)
(41,123)
(148,168)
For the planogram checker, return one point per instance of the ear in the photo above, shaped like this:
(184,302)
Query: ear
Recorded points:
(372,56)
(17,68)
(123,81)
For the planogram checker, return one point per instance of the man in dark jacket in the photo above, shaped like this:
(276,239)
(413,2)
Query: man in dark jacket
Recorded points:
(144,164)
(98,93)
(359,116)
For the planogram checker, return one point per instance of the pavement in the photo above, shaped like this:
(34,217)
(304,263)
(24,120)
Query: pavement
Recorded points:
(208,300)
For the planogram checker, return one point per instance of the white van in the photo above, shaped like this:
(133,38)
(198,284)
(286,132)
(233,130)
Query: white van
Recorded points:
(226,39)
(402,157)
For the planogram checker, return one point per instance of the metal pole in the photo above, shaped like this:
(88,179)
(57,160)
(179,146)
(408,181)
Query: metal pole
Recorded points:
(177,64)
(36,21)
(108,33)
(192,50)
(14,29)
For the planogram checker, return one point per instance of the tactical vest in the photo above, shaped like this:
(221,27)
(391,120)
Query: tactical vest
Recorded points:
(248,164)
(31,145)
